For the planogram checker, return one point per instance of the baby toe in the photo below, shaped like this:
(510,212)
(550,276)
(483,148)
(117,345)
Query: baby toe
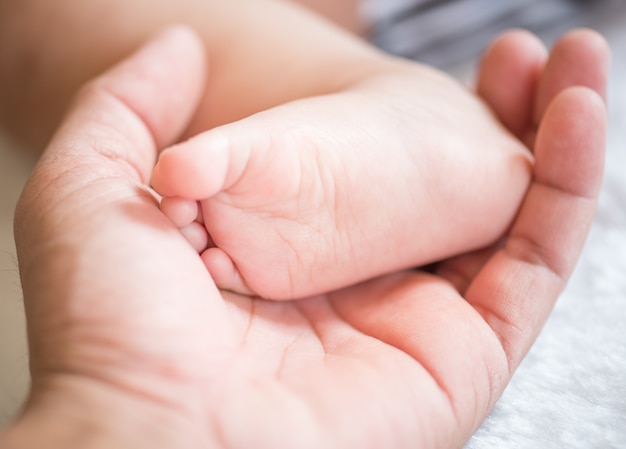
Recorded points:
(224,272)
(197,236)
(182,212)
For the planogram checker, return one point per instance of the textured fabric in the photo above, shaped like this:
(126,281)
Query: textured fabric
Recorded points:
(444,32)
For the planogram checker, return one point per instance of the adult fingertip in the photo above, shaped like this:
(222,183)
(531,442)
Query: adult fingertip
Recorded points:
(587,37)
(508,77)
(580,57)
(176,40)
(590,42)
(516,35)
(163,82)
(138,106)
(571,140)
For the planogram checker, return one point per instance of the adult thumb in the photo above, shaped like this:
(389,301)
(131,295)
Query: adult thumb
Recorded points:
(137,107)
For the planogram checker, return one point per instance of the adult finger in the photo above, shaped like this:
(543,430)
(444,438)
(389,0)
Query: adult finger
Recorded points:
(83,214)
(139,106)
(115,127)
(580,58)
(508,77)
(518,286)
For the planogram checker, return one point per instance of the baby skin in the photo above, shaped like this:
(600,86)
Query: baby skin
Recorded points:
(404,168)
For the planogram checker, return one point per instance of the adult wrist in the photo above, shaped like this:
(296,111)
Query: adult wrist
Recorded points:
(82,413)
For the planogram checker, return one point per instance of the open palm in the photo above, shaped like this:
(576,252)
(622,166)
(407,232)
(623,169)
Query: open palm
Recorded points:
(117,298)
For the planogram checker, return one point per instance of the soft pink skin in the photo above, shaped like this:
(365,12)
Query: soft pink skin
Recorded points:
(132,345)
(404,168)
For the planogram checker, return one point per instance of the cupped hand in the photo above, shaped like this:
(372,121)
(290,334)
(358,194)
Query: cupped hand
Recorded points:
(132,345)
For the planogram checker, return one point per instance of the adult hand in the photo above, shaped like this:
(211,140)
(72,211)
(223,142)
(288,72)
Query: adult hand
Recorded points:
(132,345)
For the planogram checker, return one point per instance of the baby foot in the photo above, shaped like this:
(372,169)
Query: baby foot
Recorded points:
(403,169)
